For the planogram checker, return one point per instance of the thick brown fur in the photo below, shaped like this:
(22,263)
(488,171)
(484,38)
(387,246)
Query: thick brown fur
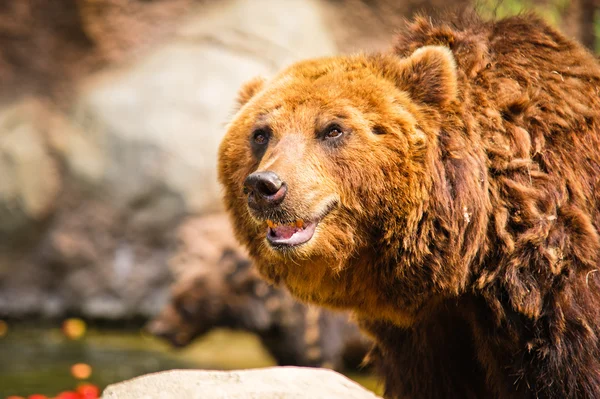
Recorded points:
(458,212)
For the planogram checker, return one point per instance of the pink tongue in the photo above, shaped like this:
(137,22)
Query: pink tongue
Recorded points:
(285,232)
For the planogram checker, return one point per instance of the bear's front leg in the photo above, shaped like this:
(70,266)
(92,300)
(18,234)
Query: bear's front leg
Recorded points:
(431,360)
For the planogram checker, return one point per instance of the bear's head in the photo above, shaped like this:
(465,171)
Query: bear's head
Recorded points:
(329,172)
(228,295)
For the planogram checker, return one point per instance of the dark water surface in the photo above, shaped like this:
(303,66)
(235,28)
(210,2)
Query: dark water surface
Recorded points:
(38,360)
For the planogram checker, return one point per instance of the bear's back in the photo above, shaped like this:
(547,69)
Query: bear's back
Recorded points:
(532,97)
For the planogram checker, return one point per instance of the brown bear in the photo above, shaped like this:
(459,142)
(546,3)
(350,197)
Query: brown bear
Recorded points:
(231,295)
(448,192)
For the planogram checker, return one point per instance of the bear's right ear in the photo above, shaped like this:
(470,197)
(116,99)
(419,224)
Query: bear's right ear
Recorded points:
(429,75)
(249,89)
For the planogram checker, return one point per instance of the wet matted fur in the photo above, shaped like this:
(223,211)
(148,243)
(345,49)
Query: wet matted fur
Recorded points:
(458,208)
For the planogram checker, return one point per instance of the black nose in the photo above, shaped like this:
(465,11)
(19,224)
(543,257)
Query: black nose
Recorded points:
(264,189)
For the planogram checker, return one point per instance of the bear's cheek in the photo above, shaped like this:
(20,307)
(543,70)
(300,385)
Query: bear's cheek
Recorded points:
(241,164)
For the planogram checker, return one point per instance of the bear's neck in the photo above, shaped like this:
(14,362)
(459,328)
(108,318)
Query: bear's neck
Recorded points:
(409,275)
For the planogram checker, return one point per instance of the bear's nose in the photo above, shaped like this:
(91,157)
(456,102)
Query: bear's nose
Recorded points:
(264,189)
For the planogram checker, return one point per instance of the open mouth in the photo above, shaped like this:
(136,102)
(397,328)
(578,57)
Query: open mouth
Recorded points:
(290,234)
(293,234)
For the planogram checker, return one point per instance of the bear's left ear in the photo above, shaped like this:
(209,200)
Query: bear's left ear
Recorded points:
(249,89)
(429,75)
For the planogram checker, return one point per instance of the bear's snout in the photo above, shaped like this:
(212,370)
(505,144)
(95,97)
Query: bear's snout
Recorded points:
(168,326)
(265,190)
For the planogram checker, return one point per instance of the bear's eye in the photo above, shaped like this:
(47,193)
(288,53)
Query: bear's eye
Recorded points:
(260,137)
(259,141)
(333,132)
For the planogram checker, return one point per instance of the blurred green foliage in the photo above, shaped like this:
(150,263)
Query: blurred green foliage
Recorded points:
(552,11)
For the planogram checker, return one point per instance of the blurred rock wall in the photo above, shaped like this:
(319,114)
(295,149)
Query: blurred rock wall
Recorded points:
(112,140)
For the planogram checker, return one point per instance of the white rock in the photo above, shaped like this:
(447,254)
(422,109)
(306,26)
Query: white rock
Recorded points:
(267,383)
(155,125)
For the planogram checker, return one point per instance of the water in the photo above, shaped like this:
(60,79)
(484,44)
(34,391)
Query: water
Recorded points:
(38,360)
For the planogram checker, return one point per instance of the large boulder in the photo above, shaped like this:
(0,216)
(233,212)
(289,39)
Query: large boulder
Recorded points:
(151,128)
(96,188)
(268,383)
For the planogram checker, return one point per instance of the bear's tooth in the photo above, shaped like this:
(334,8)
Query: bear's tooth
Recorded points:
(299,223)
(270,224)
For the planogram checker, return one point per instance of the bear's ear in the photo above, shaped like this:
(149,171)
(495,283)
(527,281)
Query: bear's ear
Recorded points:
(249,89)
(429,75)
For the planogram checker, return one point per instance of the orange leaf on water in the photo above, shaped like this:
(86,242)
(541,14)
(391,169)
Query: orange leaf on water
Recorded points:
(81,371)
(74,328)
(88,391)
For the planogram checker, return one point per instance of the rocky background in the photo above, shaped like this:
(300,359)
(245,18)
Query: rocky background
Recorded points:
(111,112)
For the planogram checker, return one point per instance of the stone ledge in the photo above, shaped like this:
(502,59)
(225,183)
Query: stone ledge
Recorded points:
(266,383)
